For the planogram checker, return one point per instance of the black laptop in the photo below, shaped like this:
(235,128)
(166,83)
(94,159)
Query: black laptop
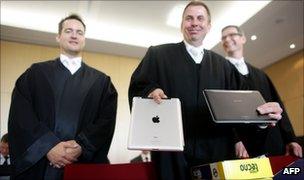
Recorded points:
(227,106)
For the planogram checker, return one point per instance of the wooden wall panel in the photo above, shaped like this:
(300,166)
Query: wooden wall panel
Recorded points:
(287,76)
(295,112)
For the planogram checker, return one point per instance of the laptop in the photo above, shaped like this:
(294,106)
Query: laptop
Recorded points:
(227,106)
(156,127)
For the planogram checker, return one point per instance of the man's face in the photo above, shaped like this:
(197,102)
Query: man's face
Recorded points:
(4,148)
(232,40)
(195,25)
(71,39)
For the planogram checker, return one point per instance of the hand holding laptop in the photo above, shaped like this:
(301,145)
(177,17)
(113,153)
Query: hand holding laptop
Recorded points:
(272,109)
(157,94)
(239,106)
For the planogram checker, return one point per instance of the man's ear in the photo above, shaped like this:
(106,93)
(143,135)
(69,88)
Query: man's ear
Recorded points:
(244,39)
(181,27)
(208,27)
(58,38)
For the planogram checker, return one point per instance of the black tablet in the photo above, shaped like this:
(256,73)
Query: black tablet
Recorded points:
(235,106)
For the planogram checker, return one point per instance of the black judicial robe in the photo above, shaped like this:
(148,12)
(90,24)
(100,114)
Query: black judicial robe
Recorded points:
(272,140)
(50,105)
(172,69)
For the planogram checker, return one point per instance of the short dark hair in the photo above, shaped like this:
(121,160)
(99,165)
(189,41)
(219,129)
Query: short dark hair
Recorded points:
(198,3)
(239,30)
(71,16)
(4,138)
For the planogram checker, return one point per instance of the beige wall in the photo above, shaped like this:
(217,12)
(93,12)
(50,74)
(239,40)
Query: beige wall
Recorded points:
(287,76)
(17,57)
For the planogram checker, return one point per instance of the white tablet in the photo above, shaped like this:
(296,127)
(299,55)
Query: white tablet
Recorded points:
(156,127)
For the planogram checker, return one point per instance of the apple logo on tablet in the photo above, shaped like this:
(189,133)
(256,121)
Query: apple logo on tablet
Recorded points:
(155,119)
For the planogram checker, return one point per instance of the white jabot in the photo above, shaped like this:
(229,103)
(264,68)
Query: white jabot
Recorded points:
(146,157)
(2,160)
(72,64)
(197,53)
(239,64)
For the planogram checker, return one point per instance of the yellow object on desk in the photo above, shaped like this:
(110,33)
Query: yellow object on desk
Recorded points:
(234,169)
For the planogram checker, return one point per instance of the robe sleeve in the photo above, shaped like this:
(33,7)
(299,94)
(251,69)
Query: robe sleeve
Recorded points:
(145,77)
(284,124)
(30,139)
(98,134)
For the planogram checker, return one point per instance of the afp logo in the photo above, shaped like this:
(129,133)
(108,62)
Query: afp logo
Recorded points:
(291,170)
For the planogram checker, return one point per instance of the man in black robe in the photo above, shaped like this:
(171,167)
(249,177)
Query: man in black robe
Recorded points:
(277,140)
(4,151)
(62,111)
(183,71)
(5,162)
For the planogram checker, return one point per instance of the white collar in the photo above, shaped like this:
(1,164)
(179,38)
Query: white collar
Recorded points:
(197,53)
(72,64)
(240,65)
(3,156)
(189,46)
(235,61)
(76,60)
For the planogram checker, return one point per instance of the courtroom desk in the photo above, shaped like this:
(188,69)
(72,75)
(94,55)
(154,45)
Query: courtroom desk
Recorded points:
(135,171)
(146,171)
